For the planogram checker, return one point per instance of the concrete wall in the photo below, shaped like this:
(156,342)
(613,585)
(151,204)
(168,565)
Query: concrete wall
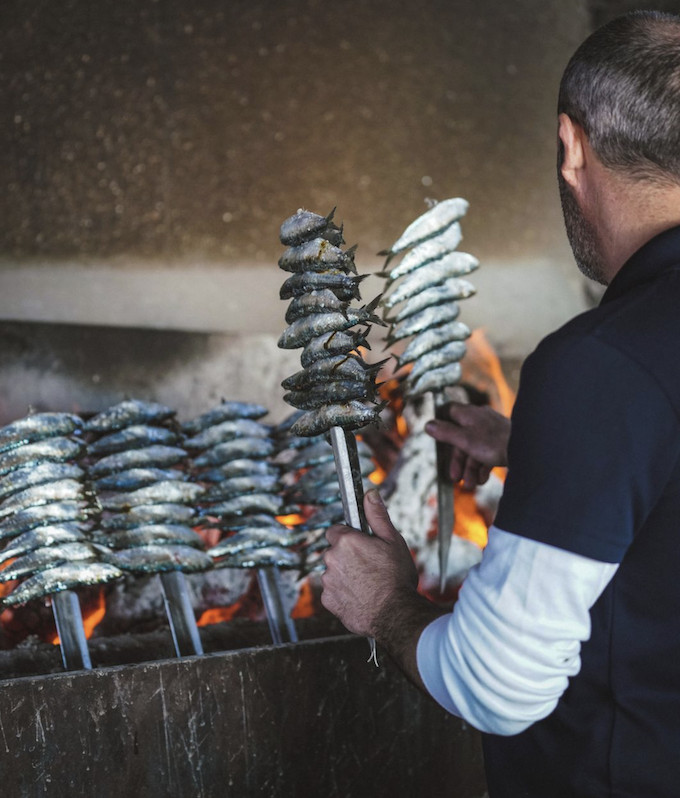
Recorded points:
(152,149)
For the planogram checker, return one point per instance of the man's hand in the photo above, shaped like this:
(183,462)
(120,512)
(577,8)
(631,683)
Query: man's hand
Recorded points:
(370,584)
(479,441)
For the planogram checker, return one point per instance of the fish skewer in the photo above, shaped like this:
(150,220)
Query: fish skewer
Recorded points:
(44,507)
(430,280)
(336,391)
(233,445)
(133,446)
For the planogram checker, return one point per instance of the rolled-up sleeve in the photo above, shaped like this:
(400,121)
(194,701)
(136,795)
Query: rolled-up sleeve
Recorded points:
(503,658)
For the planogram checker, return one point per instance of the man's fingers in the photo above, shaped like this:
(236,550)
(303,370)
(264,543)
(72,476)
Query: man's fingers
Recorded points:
(457,464)
(452,434)
(483,474)
(335,532)
(378,517)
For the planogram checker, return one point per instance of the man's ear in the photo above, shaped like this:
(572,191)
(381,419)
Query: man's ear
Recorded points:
(573,138)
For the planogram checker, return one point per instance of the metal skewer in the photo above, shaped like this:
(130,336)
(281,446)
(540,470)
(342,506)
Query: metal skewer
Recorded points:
(445,510)
(69,620)
(281,625)
(351,489)
(180,614)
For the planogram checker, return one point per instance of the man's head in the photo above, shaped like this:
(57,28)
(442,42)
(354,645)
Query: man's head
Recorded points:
(621,88)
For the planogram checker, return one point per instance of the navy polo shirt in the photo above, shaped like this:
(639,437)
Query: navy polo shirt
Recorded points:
(594,468)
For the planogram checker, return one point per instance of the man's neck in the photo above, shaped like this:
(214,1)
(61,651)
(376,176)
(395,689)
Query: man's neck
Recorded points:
(630,213)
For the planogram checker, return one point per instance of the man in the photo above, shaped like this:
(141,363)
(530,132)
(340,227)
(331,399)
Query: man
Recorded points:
(564,646)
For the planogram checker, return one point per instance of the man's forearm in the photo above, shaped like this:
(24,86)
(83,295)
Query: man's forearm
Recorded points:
(398,629)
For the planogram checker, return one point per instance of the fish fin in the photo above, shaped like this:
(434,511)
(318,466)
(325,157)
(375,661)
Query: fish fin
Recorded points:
(375,367)
(329,218)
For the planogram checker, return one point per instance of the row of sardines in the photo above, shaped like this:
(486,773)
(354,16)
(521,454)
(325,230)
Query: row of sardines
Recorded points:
(132,490)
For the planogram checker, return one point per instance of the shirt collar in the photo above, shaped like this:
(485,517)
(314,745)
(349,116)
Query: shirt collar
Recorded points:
(658,254)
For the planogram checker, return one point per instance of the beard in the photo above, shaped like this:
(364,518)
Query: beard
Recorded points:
(581,235)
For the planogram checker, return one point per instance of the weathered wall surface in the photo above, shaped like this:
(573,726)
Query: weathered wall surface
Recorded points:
(170,140)
(150,150)
(178,130)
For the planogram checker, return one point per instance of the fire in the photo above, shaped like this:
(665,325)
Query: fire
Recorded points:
(482,368)
(469,523)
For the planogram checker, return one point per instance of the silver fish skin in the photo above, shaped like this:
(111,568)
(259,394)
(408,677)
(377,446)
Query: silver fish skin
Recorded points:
(430,224)
(148,457)
(446,355)
(165,513)
(323,301)
(155,558)
(62,577)
(60,449)
(151,534)
(456,264)
(435,338)
(320,495)
(245,504)
(254,538)
(304,225)
(237,486)
(321,452)
(166,492)
(48,557)
(61,491)
(261,558)
(30,476)
(46,514)
(349,415)
(326,472)
(435,380)
(344,286)
(135,478)
(127,413)
(36,427)
(338,391)
(234,523)
(137,436)
(429,250)
(235,450)
(449,291)
(332,369)
(425,320)
(225,411)
(239,468)
(301,331)
(228,431)
(333,343)
(325,517)
(317,255)
(50,535)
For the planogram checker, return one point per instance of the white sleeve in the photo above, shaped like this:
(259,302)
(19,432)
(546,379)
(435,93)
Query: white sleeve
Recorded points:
(502,659)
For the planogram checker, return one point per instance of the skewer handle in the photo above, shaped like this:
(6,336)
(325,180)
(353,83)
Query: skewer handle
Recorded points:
(351,490)
(180,614)
(446,516)
(69,619)
(349,477)
(281,625)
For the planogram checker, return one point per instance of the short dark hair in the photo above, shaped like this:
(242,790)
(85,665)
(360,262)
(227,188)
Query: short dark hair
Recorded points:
(622,86)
